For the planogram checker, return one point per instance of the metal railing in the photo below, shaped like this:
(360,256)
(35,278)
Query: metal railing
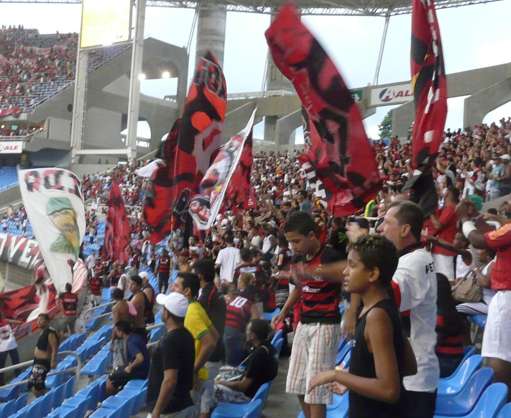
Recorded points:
(75,369)
(93,308)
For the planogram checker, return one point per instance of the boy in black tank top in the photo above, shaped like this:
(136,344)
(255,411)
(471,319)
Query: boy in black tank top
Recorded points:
(380,356)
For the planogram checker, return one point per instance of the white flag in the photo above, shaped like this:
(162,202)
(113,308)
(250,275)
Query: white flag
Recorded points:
(54,203)
(205,206)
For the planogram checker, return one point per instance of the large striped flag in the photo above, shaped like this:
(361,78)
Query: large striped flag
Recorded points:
(429,87)
(429,83)
(340,152)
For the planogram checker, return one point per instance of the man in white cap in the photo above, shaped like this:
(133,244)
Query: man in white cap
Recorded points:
(172,364)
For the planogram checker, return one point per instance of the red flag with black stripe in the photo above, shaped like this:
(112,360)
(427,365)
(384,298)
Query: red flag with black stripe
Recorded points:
(341,153)
(118,230)
(238,191)
(159,200)
(200,136)
(429,86)
(429,83)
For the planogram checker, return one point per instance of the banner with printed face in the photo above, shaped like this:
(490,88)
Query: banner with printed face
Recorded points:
(205,206)
(54,203)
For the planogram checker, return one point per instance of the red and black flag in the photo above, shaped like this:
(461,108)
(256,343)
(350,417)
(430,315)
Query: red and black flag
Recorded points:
(238,191)
(429,83)
(429,87)
(159,201)
(200,135)
(117,231)
(341,153)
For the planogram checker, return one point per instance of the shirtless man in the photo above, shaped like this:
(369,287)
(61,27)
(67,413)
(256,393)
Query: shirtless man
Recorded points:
(138,299)
(45,355)
(120,311)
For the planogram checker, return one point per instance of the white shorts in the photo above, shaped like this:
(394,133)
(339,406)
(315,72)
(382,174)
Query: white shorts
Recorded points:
(444,264)
(314,350)
(497,333)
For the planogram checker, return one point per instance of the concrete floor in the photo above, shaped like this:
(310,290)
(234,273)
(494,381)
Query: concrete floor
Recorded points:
(279,403)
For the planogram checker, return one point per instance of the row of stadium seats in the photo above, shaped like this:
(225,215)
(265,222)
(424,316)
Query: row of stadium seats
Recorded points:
(8,178)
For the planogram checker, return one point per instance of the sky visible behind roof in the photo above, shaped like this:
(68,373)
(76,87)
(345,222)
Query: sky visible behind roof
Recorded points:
(473,36)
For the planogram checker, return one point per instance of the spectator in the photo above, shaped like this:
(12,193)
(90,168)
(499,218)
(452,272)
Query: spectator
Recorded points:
(137,356)
(450,327)
(227,260)
(172,363)
(45,355)
(380,356)
(415,287)
(317,336)
(69,306)
(95,290)
(162,270)
(214,305)
(239,312)
(444,228)
(261,367)
(139,302)
(203,331)
(121,311)
(497,333)
(150,298)
(8,344)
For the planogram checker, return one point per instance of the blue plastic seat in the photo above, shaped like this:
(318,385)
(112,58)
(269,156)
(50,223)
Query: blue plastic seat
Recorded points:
(156,333)
(232,410)
(254,410)
(490,402)
(454,383)
(279,334)
(278,346)
(479,320)
(7,408)
(137,398)
(345,363)
(505,412)
(122,406)
(462,402)
(105,413)
(342,352)
(73,407)
(136,384)
(270,315)
(98,364)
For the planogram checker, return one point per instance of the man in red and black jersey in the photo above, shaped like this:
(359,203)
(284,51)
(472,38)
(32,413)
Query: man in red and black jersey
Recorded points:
(163,271)
(318,290)
(69,307)
(95,286)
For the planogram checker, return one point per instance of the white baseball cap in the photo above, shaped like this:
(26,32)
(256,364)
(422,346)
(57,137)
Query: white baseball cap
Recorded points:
(174,302)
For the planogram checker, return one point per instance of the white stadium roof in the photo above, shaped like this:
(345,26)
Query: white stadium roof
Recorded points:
(309,7)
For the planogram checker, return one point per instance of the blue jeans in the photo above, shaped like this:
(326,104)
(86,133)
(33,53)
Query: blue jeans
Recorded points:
(234,342)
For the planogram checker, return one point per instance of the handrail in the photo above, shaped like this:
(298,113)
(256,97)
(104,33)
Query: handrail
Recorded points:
(96,307)
(24,364)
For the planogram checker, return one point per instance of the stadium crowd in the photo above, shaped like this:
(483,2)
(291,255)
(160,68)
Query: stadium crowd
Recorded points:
(286,252)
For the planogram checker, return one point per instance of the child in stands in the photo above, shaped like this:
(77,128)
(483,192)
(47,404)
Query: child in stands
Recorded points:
(381,356)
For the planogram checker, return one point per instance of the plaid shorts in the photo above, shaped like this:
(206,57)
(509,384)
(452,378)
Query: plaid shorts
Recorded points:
(314,350)
(37,378)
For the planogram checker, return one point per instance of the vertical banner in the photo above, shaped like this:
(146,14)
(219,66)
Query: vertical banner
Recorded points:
(54,203)
(429,83)
(205,206)
(118,230)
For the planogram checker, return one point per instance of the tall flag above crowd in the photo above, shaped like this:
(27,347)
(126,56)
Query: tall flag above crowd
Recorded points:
(118,230)
(200,135)
(205,206)
(189,149)
(340,151)
(429,87)
(55,208)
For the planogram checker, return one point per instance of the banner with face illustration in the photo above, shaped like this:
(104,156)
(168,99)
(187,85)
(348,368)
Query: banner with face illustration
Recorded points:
(54,203)
(205,206)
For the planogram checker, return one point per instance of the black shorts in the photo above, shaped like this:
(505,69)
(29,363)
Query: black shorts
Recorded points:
(37,378)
